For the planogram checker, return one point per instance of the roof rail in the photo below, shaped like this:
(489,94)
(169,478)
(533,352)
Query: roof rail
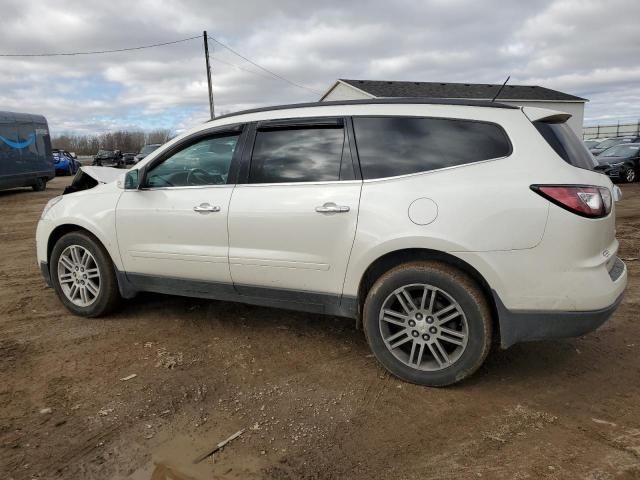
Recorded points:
(376,101)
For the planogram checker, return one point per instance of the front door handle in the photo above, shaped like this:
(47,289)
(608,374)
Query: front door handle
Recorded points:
(206,208)
(331,207)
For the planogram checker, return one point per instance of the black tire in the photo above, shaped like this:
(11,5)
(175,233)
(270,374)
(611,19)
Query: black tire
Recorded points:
(108,297)
(40,185)
(453,284)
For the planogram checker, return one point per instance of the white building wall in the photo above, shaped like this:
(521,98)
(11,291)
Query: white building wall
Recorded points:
(345,92)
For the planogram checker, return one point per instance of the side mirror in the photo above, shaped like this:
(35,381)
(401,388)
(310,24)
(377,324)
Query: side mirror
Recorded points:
(132,180)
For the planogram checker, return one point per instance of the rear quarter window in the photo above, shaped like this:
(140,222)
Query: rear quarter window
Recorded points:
(392,146)
(566,144)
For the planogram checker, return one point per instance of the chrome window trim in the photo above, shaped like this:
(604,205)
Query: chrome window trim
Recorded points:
(327,182)
(427,172)
(183,187)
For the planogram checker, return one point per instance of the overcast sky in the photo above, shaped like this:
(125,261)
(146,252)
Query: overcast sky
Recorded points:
(587,48)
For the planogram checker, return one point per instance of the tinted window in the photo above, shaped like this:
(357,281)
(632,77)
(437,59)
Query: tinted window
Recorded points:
(562,139)
(205,162)
(392,146)
(307,154)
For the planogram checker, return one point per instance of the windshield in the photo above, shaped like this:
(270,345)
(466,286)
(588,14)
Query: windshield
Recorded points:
(147,149)
(611,142)
(105,152)
(564,141)
(625,151)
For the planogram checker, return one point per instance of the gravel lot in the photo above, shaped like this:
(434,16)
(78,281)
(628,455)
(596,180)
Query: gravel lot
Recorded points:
(312,400)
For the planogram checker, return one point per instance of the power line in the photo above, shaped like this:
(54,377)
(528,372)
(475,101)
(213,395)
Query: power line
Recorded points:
(263,68)
(142,47)
(96,52)
(231,64)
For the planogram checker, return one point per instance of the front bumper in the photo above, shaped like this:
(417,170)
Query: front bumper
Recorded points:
(614,173)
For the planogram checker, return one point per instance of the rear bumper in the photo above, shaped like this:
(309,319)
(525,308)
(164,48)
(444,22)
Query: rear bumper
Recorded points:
(524,326)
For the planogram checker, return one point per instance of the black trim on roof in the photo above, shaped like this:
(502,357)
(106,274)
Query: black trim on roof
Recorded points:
(21,117)
(478,91)
(377,101)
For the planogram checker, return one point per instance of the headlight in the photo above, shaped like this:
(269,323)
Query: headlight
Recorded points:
(50,205)
(617,164)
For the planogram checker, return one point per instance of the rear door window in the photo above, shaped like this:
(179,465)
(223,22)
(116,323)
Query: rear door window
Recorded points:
(392,146)
(564,141)
(301,153)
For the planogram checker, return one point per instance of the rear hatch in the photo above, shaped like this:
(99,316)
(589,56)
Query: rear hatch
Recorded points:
(589,197)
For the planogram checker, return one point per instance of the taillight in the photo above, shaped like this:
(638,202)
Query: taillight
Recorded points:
(584,200)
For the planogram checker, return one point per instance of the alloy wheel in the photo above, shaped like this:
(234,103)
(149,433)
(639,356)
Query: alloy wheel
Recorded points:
(424,327)
(630,175)
(79,275)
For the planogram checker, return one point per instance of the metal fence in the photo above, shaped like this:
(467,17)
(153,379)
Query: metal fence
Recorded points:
(605,131)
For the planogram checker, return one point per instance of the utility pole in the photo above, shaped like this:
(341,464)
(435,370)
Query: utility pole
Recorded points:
(206,57)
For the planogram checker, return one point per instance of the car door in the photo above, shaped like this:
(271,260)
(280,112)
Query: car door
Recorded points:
(292,219)
(175,225)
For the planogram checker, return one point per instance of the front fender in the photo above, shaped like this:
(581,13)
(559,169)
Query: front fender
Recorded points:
(91,210)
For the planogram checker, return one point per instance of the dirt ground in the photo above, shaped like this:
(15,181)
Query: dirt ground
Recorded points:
(312,401)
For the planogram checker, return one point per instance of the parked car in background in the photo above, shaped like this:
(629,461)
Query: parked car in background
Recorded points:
(591,143)
(25,151)
(441,226)
(146,150)
(108,158)
(129,158)
(610,142)
(621,162)
(64,162)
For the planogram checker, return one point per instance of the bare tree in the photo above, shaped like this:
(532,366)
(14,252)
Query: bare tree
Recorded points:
(123,140)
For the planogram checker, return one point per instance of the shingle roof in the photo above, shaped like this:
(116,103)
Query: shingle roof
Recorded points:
(478,91)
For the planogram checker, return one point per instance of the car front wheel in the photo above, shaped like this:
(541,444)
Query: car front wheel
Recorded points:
(630,175)
(40,185)
(83,275)
(428,323)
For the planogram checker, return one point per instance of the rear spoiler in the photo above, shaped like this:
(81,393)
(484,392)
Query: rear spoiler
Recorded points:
(546,115)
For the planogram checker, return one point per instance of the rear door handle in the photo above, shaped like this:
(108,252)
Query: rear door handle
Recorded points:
(206,208)
(331,207)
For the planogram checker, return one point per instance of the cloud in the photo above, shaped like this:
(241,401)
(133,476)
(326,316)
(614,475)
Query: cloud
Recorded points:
(588,48)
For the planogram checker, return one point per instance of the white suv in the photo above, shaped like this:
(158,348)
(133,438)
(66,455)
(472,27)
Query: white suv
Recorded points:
(440,226)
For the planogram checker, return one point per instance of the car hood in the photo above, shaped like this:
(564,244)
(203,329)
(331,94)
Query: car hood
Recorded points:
(90,177)
(102,174)
(610,160)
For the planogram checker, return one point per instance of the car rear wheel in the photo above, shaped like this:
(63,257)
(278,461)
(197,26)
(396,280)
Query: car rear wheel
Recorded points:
(428,323)
(40,185)
(83,275)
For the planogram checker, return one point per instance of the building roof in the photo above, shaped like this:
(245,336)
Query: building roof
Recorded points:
(477,91)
